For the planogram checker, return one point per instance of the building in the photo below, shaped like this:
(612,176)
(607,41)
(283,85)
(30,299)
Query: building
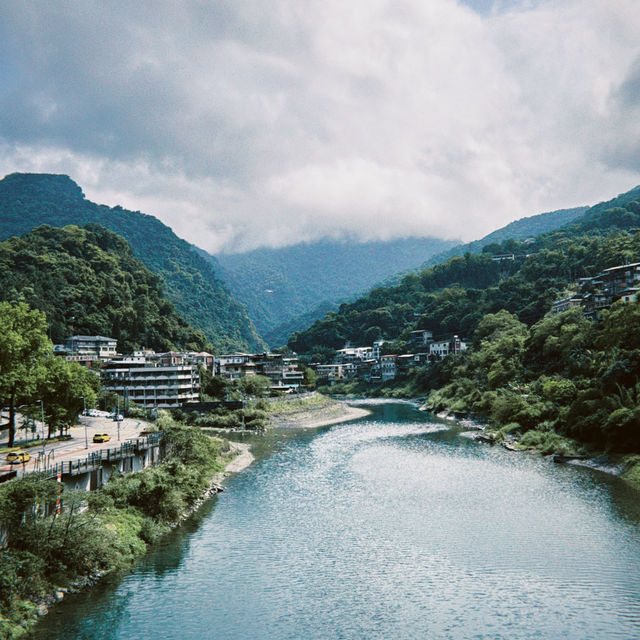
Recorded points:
(149,386)
(566,303)
(630,294)
(388,368)
(443,348)
(601,291)
(235,365)
(330,373)
(87,348)
(420,338)
(282,370)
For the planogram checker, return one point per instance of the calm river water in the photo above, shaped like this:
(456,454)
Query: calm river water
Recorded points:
(393,526)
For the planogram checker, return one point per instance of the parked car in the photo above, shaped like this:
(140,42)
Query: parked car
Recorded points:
(101,437)
(17,457)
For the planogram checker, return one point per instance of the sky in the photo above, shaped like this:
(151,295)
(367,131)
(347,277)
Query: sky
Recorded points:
(266,123)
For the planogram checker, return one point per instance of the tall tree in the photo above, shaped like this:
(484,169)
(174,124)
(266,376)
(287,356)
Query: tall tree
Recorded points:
(23,348)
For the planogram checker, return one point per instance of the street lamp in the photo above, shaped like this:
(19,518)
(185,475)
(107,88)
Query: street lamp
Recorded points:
(84,414)
(42,416)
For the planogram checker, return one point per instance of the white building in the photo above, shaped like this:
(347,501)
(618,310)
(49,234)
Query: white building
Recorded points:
(152,386)
(99,346)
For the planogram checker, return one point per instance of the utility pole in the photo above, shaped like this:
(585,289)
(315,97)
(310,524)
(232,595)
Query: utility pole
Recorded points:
(42,416)
(84,420)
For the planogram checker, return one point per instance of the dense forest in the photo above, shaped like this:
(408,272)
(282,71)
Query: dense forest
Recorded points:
(566,376)
(551,380)
(452,297)
(87,281)
(30,200)
(280,285)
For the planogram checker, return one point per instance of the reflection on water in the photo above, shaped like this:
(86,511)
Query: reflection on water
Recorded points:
(393,526)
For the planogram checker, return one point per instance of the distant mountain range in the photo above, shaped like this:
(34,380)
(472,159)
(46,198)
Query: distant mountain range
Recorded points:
(279,285)
(233,298)
(30,200)
(288,289)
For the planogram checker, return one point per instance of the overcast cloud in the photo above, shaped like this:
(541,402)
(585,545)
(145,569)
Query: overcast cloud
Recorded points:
(254,123)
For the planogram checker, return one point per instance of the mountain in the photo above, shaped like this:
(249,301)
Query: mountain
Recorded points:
(280,285)
(453,297)
(528,227)
(87,281)
(30,200)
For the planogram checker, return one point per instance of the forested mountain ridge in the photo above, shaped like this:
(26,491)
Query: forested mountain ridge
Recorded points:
(521,229)
(30,200)
(566,383)
(280,285)
(87,281)
(452,297)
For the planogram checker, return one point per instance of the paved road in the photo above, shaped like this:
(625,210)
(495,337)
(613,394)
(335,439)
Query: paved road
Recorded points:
(76,448)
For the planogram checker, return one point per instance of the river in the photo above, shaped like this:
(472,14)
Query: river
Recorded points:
(393,526)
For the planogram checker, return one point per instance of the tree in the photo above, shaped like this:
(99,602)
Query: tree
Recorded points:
(62,388)
(310,378)
(257,386)
(23,348)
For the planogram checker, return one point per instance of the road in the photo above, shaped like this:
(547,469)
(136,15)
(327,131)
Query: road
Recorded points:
(77,447)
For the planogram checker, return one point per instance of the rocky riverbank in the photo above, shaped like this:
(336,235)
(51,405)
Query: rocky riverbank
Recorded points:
(615,465)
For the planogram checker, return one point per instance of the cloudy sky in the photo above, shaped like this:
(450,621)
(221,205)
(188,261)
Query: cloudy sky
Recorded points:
(255,122)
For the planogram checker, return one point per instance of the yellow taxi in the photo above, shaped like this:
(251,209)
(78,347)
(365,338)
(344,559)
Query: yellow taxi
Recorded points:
(101,437)
(18,457)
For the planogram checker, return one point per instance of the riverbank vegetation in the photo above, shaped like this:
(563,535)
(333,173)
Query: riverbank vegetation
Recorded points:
(554,382)
(47,550)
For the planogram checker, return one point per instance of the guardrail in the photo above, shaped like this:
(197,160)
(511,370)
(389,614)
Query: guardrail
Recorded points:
(98,458)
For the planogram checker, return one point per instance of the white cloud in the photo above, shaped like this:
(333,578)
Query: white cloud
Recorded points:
(241,124)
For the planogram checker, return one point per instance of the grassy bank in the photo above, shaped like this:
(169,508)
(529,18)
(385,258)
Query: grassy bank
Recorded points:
(311,412)
(44,552)
(291,406)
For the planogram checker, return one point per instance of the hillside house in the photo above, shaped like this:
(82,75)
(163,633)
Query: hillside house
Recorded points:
(388,367)
(601,291)
(420,338)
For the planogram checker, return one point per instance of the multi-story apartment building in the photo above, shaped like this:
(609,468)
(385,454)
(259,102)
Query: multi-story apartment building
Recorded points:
(152,386)
(99,346)
(442,348)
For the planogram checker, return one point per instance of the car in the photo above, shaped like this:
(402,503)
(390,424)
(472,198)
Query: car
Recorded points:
(17,457)
(118,418)
(101,437)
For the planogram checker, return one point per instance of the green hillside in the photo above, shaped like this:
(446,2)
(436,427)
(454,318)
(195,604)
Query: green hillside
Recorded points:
(522,229)
(553,382)
(87,281)
(281,285)
(30,200)
(452,297)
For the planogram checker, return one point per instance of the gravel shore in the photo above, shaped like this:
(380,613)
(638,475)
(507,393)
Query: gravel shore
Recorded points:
(314,417)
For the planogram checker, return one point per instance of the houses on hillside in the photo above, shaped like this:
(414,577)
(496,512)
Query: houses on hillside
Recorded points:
(172,379)
(599,292)
(370,365)
(282,370)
